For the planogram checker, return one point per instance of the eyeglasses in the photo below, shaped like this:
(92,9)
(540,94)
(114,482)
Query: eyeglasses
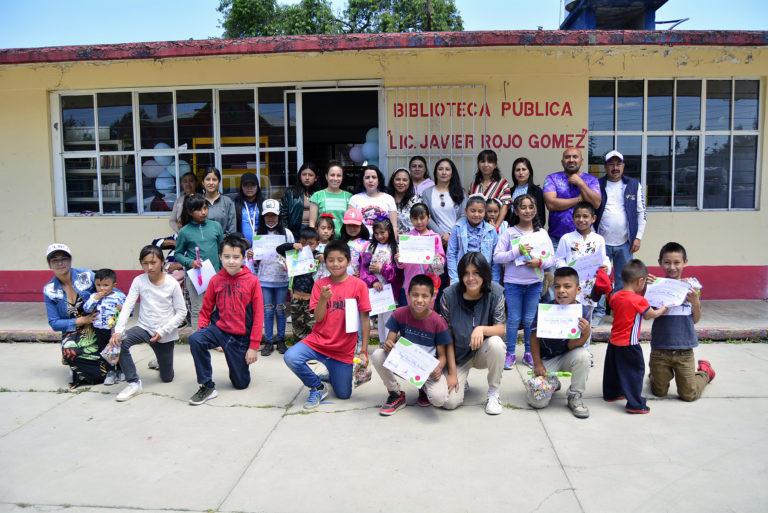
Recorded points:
(442,199)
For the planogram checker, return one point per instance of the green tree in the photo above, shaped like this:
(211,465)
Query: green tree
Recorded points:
(247,18)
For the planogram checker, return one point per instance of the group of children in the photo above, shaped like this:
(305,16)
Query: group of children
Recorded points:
(239,303)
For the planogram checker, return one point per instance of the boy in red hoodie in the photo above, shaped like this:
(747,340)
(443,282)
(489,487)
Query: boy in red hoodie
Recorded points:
(235,325)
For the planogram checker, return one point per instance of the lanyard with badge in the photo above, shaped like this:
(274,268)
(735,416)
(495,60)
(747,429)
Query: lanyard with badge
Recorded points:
(251,217)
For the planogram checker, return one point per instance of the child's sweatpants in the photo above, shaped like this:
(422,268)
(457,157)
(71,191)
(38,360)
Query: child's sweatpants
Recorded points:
(163,353)
(195,302)
(623,375)
(235,347)
(680,364)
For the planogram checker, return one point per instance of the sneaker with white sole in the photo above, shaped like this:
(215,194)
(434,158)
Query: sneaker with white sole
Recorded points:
(577,407)
(152,364)
(316,396)
(133,388)
(203,394)
(111,378)
(493,405)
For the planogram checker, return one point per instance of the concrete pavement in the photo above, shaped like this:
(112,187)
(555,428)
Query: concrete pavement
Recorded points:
(256,450)
(720,320)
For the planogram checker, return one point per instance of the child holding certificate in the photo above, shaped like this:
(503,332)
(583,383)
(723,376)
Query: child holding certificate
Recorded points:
(300,287)
(524,249)
(377,265)
(552,355)
(583,243)
(673,337)
(420,220)
(274,279)
(341,305)
(624,363)
(198,241)
(419,324)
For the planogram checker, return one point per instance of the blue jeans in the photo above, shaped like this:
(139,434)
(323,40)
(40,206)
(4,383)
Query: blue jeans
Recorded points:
(619,256)
(340,373)
(522,304)
(200,344)
(274,306)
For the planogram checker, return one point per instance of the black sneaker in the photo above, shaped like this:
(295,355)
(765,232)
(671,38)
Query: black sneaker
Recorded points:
(395,401)
(267,348)
(203,394)
(281,347)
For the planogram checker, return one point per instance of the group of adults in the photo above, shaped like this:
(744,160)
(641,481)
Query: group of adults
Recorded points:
(618,199)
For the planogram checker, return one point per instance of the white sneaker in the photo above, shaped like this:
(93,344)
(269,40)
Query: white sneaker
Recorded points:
(493,406)
(129,391)
(111,378)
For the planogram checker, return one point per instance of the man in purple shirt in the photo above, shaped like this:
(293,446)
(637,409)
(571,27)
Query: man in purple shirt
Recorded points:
(564,189)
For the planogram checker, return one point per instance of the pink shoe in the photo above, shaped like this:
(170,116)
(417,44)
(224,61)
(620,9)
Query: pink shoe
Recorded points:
(705,366)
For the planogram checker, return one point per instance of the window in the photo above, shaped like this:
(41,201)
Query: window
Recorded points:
(692,143)
(147,140)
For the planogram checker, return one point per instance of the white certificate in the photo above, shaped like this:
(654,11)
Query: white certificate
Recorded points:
(410,362)
(351,316)
(665,291)
(201,277)
(558,321)
(382,302)
(541,251)
(417,249)
(264,245)
(300,262)
(587,265)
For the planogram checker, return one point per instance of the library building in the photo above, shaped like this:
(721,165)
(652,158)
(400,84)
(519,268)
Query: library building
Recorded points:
(95,139)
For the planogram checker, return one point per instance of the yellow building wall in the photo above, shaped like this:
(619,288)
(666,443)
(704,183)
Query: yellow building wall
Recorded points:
(28,224)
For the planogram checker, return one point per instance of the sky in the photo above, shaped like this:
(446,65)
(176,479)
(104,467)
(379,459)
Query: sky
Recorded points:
(38,23)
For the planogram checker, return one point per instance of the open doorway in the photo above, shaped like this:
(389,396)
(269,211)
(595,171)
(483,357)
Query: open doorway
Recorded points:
(335,125)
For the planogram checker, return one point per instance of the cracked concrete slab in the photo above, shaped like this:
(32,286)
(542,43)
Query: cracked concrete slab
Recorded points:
(422,459)
(19,408)
(150,452)
(700,456)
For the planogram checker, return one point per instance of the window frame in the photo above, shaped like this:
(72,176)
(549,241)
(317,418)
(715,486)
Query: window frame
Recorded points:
(59,155)
(701,133)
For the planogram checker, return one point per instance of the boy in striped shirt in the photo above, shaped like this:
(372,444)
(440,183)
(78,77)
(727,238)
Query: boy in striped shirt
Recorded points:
(624,364)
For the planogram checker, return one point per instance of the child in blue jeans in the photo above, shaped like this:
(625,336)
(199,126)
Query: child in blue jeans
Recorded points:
(274,280)
(331,342)
(524,249)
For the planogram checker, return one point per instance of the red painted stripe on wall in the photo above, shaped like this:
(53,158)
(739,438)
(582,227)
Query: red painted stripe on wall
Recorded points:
(719,282)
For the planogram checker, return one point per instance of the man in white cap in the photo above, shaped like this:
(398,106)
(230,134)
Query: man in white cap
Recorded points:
(620,218)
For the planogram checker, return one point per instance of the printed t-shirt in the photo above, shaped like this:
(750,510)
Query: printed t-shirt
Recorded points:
(628,309)
(335,203)
(427,333)
(561,221)
(329,336)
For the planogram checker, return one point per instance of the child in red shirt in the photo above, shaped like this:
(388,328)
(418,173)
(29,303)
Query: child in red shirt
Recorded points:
(624,364)
(329,342)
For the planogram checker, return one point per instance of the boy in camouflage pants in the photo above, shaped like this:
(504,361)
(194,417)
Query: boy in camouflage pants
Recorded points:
(300,286)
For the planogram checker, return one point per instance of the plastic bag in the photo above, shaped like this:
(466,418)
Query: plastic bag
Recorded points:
(111,354)
(362,373)
(540,389)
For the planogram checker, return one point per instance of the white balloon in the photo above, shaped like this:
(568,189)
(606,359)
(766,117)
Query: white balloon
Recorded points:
(163,159)
(165,183)
(151,168)
(184,167)
(372,135)
(356,153)
(371,151)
